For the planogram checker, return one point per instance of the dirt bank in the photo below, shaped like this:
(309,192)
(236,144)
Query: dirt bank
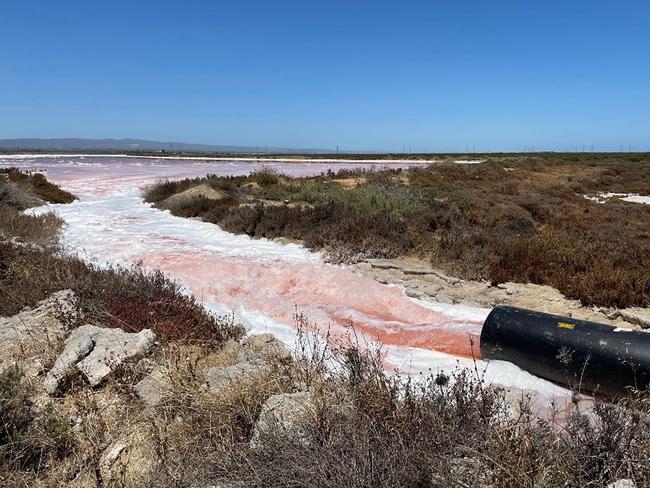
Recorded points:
(420,280)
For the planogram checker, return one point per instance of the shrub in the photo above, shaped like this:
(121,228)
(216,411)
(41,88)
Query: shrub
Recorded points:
(38,185)
(42,230)
(29,439)
(265,176)
(126,297)
(190,207)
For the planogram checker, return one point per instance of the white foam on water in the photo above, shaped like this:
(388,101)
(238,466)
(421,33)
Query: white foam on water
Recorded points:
(645,200)
(54,155)
(457,311)
(119,228)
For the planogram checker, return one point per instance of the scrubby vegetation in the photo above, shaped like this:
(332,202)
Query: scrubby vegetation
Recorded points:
(31,439)
(508,219)
(362,427)
(126,297)
(14,182)
(372,429)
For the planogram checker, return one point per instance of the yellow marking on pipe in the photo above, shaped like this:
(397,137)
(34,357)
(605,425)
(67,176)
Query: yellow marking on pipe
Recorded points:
(564,325)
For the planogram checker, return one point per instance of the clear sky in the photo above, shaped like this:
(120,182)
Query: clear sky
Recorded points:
(379,75)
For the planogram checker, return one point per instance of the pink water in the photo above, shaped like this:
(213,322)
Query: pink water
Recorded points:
(263,282)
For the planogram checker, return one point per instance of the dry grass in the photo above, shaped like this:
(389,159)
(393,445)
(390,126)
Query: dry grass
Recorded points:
(42,230)
(31,439)
(372,429)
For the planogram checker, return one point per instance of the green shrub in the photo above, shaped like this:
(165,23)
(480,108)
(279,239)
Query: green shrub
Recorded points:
(266,176)
(38,185)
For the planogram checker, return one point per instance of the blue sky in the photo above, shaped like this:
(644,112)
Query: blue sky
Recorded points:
(379,75)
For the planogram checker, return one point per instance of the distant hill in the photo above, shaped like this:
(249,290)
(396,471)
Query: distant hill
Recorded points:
(97,145)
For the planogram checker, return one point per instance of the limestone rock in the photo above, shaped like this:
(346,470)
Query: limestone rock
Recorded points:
(33,330)
(218,378)
(626,483)
(266,346)
(95,352)
(64,366)
(199,191)
(286,412)
(111,455)
(252,357)
(132,461)
(634,315)
(153,388)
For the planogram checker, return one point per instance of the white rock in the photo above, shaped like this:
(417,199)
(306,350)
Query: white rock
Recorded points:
(626,483)
(286,412)
(153,388)
(218,378)
(634,315)
(266,346)
(113,453)
(64,365)
(96,352)
(109,458)
(254,356)
(35,328)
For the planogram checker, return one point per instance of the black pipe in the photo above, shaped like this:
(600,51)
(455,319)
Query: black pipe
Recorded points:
(576,353)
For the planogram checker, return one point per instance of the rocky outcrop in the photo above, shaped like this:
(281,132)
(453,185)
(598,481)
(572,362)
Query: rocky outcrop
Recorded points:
(32,331)
(288,413)
(95,352)
(131,460)
(626,483)
(109,457)
(420,280)
(633,315)
(199,191)
(266,346)
(222,377)
(153,388)
(253,357)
